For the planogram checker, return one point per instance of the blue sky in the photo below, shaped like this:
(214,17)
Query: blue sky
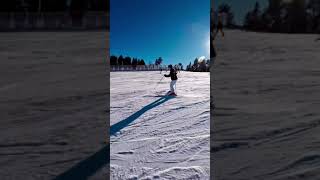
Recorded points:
(241,7)
(176,30)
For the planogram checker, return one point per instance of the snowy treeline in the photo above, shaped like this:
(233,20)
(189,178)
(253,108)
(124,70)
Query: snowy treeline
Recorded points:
(54,5)
(120,61)
(199,65)
(225,14)
(52,20)
(150,67)
(295,16)
(54,14)
(281,16)
(134,64)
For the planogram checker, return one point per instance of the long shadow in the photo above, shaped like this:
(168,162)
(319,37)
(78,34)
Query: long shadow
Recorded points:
(124,123)
(88,167)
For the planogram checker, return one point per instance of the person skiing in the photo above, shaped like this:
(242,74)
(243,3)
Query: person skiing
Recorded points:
(174,78)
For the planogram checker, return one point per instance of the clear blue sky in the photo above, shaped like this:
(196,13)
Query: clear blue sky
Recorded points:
(176,30)
(241,7)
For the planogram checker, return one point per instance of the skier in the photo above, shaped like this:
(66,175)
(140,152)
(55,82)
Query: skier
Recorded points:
(174,78)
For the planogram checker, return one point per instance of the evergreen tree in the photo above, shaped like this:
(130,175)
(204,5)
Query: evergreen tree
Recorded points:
(113,60)
(226,9)
(272,16)
(120,60)
(159,61)
(141,62)
(195,66)
(296,16)
(202,66)
(189,67)
(313,14)
(134,61)
(180,66)
(127,61)
(253,19)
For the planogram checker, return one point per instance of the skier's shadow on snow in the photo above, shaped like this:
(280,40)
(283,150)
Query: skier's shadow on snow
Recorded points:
(88,167)
(124,123)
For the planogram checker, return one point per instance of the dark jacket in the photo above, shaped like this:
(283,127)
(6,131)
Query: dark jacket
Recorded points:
(173,74)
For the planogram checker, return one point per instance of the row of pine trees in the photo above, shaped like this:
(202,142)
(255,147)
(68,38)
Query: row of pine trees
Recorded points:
(54,5)
(199,66)
(280,16)
(295,16)
(120,61)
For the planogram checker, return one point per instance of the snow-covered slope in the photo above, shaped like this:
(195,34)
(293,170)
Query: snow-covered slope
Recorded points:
(53,101)
(266,91)
(159,137)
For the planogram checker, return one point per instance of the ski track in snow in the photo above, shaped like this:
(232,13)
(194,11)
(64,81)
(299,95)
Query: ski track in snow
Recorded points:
(168,141)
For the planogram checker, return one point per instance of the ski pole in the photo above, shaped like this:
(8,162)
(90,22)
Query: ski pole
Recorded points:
(158,83)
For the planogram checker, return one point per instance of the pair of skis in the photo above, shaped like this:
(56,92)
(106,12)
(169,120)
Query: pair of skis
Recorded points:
(168,94)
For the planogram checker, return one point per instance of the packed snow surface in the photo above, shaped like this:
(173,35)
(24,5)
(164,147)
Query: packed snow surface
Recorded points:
(53,101)
(265,87)
(156,137)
